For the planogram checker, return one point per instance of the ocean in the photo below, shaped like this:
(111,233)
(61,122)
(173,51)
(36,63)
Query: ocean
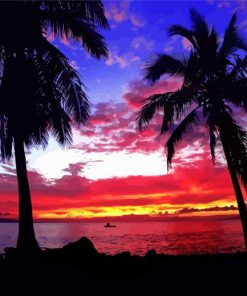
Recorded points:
(173,238)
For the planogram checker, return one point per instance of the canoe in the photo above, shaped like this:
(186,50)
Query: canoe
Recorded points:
(107,226)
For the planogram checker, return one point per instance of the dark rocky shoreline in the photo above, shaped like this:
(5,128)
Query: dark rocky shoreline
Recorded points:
(78,269)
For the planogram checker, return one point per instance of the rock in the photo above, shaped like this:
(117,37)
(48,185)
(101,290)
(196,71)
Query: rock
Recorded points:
(10,251)
(150,253)
(82,248)
(123,255)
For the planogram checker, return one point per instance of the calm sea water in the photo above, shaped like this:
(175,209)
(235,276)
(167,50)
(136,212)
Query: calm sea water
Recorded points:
(138,237)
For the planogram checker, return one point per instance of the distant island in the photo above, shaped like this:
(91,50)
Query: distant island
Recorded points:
(130,218)
(7,220)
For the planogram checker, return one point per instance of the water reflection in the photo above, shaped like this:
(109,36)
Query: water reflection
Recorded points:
(138,238)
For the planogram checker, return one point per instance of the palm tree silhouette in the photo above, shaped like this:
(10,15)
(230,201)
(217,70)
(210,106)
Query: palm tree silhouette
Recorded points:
(40,93)
(214,86)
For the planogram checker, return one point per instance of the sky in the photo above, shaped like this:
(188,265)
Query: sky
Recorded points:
(112,169)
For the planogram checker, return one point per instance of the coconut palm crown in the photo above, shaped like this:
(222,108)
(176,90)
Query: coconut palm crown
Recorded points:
(40,92)
(214,87)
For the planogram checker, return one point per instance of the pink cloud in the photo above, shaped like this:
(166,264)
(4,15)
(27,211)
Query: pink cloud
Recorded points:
(122,60)
(116,58)
(65,41)
(100,119)
(120,12)
(50,37)
(113,127)
(139,91)
(186,44)
(136,21)
(137,42)
(117,11)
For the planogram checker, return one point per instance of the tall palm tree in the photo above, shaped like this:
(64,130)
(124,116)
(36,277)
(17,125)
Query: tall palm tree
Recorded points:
(214,87)
(40,93)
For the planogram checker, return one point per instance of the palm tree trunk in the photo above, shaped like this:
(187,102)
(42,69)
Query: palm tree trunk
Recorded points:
(26,242)
(238,193)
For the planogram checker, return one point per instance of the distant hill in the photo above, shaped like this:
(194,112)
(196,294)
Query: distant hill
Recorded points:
(142,218)
(8,220)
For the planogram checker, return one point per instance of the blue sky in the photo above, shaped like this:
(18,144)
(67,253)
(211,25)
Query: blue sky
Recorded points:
(138,29)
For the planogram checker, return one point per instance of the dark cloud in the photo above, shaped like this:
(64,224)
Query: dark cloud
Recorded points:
(211,209)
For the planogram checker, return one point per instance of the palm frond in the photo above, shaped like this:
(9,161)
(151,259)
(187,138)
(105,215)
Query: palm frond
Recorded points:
(6,139)
(213,144)
(73,98)
(172,104)
(153,104)
(232,39)
(82,32)
(213,42)
(95,12)
(200,26)
(60,125)
(212,125)
(235,83)
(175,107)
(234,141)
(92,11)
(239,69)
(162,64)
(183,32)
(92,41)
(187,123)
(214,139)
(198,36)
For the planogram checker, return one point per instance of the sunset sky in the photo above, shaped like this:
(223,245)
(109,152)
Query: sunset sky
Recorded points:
(112,169)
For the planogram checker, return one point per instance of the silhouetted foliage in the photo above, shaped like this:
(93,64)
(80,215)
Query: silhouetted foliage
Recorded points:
(40,92)
(214,84)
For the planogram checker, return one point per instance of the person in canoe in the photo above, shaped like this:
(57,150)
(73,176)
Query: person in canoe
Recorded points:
(109,225)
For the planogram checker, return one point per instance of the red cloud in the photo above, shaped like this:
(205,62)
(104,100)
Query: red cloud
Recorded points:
(139,91)
(193,180)
(100,119)
(113,127)
(203,184)
(211,209)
